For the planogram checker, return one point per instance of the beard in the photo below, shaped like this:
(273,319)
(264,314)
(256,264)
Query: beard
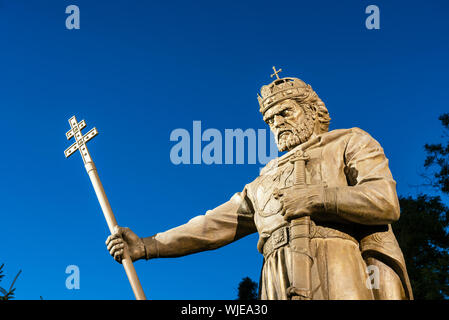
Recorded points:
(292,136)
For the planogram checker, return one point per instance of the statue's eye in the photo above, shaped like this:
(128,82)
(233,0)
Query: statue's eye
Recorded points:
(285,113)
(270,121)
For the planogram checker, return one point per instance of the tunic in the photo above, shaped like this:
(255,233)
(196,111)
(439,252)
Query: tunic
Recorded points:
(352,242)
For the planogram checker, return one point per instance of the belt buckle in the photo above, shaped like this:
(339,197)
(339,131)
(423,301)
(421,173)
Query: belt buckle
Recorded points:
(280,238)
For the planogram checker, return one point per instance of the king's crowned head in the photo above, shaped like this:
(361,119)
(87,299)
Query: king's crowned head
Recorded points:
(293,111)
(282,89)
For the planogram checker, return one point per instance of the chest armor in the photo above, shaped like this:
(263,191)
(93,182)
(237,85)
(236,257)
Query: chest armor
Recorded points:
(281,176)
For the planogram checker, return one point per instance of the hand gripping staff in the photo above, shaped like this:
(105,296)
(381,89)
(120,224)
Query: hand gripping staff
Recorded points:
(80,144)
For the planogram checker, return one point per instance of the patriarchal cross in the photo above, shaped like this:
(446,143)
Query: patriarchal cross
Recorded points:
(80,144)
(80,140)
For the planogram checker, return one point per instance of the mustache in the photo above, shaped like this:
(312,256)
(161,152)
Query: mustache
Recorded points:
(281,132)
(288,128)
(298,134)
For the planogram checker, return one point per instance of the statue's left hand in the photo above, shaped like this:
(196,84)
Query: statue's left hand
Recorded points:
(300,201)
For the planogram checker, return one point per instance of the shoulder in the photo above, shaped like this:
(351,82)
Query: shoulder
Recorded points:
(347,138)
(272,164)
(359,132)
(351,136)
(351,132)
(360,142)
(362,137)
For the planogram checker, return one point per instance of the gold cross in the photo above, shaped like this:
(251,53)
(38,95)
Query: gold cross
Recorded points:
(275,72)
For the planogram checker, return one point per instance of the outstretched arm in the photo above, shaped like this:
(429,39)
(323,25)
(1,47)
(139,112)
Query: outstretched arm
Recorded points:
(218,227)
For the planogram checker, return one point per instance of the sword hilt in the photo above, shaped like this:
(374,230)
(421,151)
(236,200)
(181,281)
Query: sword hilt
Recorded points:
(299,161)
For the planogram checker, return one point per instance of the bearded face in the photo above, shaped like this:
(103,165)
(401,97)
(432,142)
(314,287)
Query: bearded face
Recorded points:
(290,123)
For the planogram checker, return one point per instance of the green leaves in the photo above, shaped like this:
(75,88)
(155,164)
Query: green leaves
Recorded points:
(423,229)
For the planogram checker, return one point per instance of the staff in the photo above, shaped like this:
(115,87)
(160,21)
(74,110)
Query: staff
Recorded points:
(80,144)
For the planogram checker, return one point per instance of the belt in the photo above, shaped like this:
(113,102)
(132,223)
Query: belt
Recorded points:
(282,236)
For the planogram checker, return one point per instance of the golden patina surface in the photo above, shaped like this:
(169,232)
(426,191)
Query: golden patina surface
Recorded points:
(322,210)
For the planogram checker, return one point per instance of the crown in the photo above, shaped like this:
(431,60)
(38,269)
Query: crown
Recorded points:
(281,89)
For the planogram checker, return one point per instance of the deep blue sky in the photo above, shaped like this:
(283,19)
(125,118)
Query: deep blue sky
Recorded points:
(138,70)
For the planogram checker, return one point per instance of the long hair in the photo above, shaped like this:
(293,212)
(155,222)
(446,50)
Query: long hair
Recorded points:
(311,103)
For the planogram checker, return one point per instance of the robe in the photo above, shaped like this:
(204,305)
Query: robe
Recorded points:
(355,253)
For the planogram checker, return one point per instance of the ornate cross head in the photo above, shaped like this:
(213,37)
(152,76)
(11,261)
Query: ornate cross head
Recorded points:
(80,140)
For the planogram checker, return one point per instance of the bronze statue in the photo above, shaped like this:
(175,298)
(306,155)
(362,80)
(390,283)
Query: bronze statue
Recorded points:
(322,210)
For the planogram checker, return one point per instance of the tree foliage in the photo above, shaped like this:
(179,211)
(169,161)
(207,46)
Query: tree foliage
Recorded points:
(438,158)
(422,233)
(247,289)
(422,230)
(7,294)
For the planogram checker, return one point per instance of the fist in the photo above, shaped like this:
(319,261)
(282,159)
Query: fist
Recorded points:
(124,239)
(300,201)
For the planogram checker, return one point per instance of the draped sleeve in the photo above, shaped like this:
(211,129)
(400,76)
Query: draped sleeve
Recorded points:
(370,197)
(216,228)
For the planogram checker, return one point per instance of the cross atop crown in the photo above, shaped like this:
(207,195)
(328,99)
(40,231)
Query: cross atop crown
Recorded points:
(281,89)
(275,72)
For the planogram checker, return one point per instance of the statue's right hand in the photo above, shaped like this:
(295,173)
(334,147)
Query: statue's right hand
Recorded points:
(124,239)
